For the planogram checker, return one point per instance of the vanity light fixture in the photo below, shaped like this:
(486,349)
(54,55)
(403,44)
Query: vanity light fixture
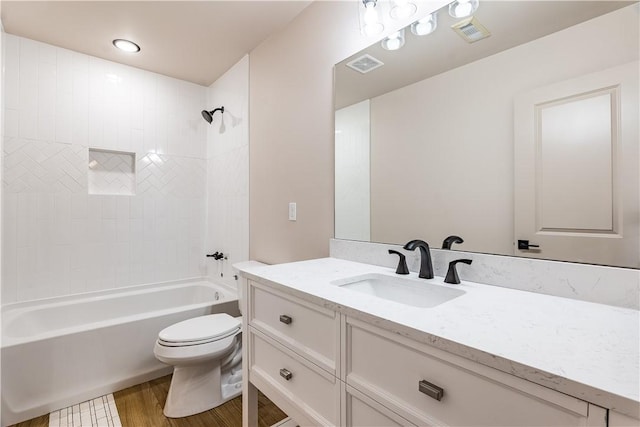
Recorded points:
(372,24)
(426,25)
(126,45)
(463,8)
(395,41)
(402,9)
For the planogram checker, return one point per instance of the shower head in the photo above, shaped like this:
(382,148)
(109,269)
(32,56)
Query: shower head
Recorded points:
(208,115)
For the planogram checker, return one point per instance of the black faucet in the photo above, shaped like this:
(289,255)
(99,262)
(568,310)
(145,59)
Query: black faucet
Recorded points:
(446,244)
(402,262)
(426,268)
(452,273)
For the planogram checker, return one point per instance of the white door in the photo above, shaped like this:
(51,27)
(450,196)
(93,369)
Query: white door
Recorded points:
(576,169)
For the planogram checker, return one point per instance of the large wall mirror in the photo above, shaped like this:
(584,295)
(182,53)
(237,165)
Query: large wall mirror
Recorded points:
(527,135)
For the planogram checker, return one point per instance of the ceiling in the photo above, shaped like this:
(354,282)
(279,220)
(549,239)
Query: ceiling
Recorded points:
(511,23)
(195,41)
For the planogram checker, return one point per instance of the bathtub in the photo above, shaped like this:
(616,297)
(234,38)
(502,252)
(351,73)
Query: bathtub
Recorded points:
(61,351)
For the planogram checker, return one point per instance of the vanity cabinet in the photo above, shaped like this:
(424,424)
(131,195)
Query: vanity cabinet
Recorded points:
(428,386)
(362,411)
(293,354)
(325,368)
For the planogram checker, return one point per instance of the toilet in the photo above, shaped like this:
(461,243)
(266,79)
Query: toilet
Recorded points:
(206,353)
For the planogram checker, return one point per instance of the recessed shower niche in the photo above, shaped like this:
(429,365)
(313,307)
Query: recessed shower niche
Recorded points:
(112,172)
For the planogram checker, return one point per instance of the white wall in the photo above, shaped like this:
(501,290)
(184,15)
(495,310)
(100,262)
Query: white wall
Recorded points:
(2,38)
(228,172)
(352,199)
(60,240)
(292,116)
(466,116)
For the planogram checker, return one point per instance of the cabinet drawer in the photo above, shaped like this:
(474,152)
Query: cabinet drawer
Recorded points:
(389,369)
(309,330)
(303,386)
(362,411)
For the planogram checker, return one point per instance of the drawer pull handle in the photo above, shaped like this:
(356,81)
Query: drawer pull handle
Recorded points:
(285,319)
(286,374)
(431,390)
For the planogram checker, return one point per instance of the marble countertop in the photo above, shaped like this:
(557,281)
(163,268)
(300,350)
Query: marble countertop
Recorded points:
(586,350)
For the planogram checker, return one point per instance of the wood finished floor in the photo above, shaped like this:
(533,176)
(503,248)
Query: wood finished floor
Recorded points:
(141,406)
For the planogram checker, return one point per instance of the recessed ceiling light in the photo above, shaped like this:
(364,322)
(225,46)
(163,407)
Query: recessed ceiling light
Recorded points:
(126,45)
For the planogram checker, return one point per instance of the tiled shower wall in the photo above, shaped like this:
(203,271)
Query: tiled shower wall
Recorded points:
(228,172)
(57,238)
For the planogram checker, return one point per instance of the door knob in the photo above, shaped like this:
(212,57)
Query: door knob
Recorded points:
(524,245)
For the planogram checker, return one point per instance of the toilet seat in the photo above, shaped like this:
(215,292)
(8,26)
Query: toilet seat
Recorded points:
(199,330)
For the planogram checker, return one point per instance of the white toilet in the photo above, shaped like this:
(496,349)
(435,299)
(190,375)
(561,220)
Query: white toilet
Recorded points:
(206,353)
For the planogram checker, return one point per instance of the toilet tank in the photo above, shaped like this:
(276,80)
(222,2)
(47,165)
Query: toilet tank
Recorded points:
(241,280)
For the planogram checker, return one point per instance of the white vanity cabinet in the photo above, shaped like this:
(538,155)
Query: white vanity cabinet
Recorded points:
(428,386)
(326,368)
(293,352)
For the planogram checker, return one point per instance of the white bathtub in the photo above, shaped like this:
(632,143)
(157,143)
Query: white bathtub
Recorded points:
(60,351)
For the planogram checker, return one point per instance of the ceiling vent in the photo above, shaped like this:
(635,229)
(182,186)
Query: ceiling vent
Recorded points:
(365,63)
(471,30)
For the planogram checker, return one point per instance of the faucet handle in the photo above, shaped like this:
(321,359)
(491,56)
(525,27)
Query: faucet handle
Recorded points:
(402,262)
(452,273)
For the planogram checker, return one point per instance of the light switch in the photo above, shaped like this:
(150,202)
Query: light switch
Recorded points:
(292,211)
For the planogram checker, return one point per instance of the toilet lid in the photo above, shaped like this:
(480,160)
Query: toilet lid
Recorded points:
(200,329)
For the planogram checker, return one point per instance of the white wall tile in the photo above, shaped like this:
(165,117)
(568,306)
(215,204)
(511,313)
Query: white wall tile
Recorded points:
(11,123)
(46,100)
(136,207)
(61,239)
(79,208)
(63,118)
(11,71)
(79,231)
(28,89)
(9,259)
(64,96)
(79,257)
(227,173)
(109,207)
(80,99)
(47,53)
(136,231)
(44,206)
(94,208)
(122,230)
(109,231)
(25,269)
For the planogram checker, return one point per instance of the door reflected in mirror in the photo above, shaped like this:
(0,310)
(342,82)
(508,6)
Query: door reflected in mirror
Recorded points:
(528,134)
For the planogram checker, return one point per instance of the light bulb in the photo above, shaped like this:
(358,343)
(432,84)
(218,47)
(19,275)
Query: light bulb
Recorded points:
(424,26)
(372,24)
(402,9)
(370,14)
(394,42)
(463,8)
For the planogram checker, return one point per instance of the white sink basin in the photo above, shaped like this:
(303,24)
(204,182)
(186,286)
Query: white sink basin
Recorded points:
(409,291)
